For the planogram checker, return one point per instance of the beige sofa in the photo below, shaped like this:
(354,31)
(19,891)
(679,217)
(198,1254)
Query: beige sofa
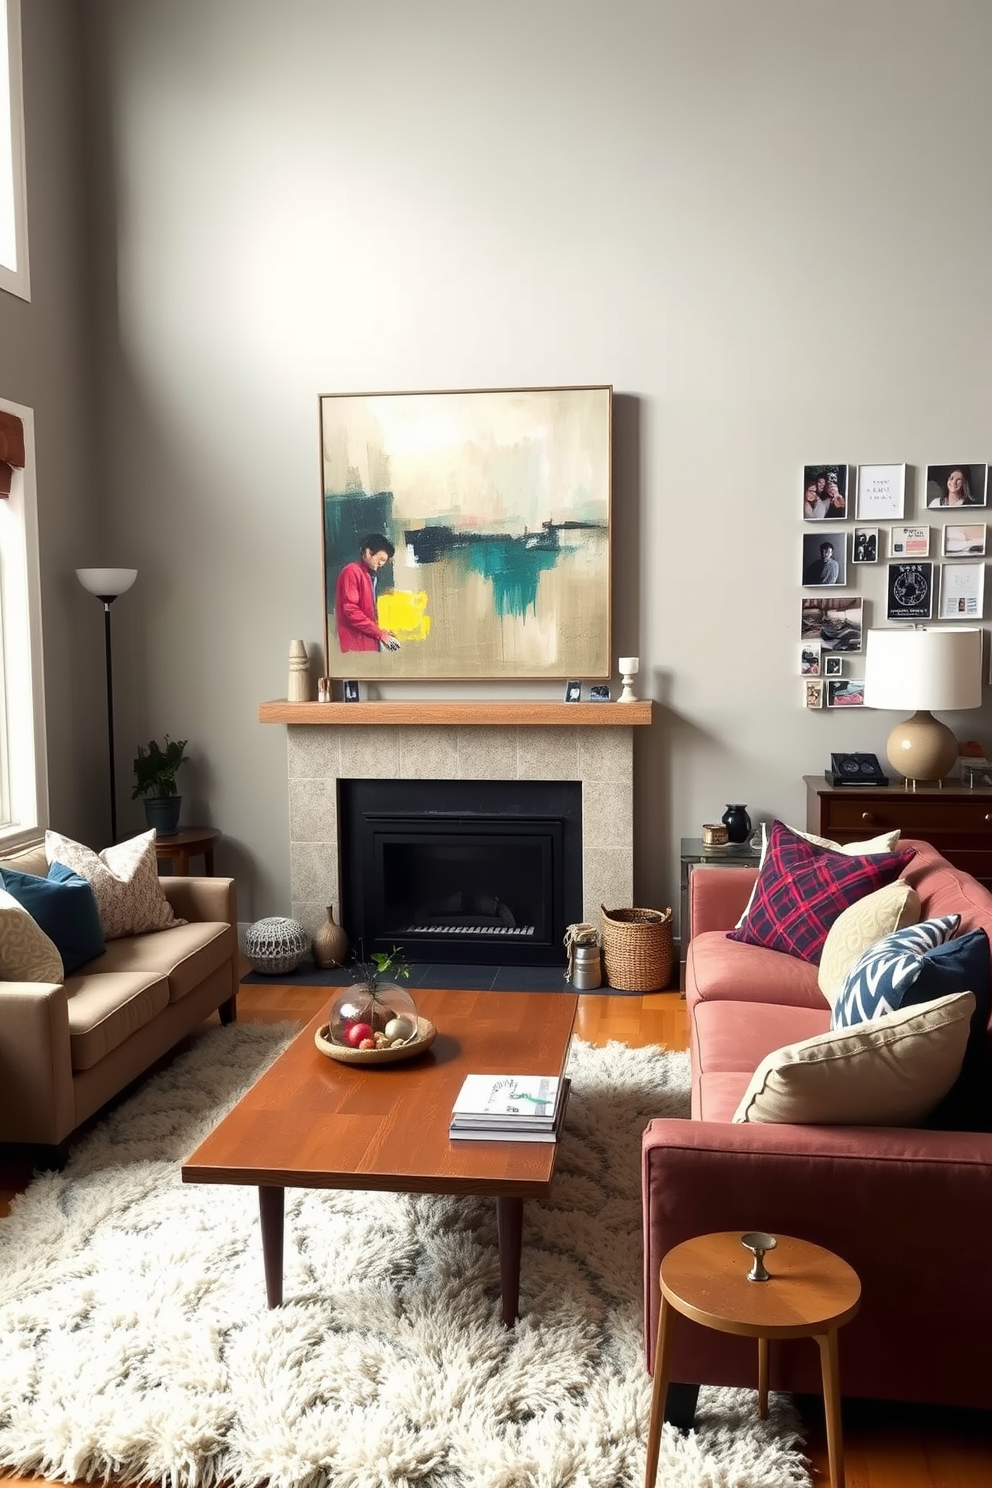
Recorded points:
(66,1048)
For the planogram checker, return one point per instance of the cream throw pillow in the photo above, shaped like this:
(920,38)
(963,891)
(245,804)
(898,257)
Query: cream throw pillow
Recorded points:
(886,842)
(26,952)
(124,879)
(891,1072)
(859,927)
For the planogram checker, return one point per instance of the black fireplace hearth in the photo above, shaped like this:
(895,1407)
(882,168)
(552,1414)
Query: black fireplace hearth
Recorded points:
(462,870)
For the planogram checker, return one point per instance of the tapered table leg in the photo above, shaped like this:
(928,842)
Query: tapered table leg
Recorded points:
(762,1379)
(509,1229)
(271,1211)
(659,1390)
(831,1406)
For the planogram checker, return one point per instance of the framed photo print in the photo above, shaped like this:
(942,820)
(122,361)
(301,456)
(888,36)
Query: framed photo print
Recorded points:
(809,661)
(963,542)
(466,534)
(881,492)
(835,624)
(962,591)
(813,694)
(824,558)
(847,693)
(957,485)
(865,549)
(599,692)
(909,542)
(825,492)
(573,690)
(833,665)
(910,591)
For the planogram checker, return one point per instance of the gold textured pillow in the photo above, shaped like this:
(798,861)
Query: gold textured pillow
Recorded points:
(891,1072)
(124,879)
(26,953)
(861,924)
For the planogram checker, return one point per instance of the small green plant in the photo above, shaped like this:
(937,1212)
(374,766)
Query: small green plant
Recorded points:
(155,767)
(382,966)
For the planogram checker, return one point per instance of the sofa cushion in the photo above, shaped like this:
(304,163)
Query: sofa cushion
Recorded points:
(185,954)
(27,954)
(892,1072)
(715,1097)
(889,974)
(862,925)
(802,889)
(64,906)
(124,878)
(26,860)
(722,970)
(738,1035)
(885,842)
(106,1008)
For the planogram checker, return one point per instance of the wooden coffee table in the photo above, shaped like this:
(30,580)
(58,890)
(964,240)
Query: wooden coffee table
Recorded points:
(312,1122)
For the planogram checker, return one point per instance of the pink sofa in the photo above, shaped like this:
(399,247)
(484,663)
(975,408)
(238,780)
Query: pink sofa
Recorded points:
(910,1209)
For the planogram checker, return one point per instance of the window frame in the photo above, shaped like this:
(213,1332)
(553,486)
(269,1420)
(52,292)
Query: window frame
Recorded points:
(15,278)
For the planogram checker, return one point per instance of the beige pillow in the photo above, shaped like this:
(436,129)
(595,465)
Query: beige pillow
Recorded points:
(861,924)
(886,842)
(26,953)
(892,1072)
(124,879)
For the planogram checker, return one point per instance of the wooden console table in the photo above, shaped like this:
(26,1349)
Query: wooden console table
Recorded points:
(955,819)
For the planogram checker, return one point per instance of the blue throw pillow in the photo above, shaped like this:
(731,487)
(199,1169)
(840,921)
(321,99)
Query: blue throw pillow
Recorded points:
(886,976)
(64,906)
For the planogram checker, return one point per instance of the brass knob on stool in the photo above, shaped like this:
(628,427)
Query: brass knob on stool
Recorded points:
(758,1243)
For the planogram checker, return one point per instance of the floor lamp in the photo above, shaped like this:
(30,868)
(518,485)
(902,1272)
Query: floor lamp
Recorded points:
(107,584)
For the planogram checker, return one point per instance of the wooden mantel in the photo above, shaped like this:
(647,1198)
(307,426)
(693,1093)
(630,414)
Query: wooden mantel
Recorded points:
(488,714)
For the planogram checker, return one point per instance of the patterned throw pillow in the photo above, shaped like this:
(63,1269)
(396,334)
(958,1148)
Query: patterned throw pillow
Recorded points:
(861,926)
(26,953)
(124,879)
(802,889)
(885,842)
(885,977)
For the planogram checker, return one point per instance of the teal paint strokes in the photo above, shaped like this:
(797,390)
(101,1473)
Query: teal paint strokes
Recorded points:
(513,568)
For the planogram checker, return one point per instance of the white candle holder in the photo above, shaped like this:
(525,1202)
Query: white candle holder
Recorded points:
(629,666)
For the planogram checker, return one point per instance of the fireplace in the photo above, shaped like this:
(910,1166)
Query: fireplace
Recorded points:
(483,871)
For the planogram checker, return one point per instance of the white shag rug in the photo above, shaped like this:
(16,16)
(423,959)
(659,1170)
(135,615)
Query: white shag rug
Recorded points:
(137,1344)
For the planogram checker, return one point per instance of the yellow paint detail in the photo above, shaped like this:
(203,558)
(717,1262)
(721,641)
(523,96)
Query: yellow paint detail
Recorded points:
(405,614)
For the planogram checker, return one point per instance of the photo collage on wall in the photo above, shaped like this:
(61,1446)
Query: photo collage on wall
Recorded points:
(935,566)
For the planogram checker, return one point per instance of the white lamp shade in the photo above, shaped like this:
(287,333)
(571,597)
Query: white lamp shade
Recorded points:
(940,668)
(107,581)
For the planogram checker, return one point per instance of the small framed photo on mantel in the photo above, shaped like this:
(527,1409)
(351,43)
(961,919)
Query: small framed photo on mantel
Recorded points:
(573,691)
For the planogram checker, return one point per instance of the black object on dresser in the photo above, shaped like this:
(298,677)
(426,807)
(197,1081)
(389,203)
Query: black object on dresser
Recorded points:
(955,819)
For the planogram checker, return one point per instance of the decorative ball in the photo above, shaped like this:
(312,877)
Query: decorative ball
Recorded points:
(276,945)
(387,1013)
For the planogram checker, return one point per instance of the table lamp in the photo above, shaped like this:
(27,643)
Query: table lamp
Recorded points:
(107,584)
(940,667)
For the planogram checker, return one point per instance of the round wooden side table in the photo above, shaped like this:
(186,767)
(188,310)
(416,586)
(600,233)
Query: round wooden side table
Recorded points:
(810,1293)
(189,842)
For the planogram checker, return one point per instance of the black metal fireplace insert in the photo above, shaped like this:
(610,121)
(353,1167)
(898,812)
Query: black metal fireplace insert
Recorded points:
(480,871)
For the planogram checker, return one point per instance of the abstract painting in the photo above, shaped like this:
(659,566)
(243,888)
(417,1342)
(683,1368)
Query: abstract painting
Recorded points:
(466,535)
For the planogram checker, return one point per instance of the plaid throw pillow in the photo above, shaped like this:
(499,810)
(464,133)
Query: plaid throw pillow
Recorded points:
(802,889)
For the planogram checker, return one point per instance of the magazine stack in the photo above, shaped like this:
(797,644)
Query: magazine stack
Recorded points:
(509,1108)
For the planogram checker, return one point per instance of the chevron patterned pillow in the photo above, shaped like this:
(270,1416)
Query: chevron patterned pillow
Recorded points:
(886,976)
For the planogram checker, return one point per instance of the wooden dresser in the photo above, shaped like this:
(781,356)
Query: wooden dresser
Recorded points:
(956,820)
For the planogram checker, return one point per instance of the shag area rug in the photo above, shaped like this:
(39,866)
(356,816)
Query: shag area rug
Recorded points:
(137,1345)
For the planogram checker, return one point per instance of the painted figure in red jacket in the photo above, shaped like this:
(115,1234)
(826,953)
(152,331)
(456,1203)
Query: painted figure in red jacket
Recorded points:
(354,598)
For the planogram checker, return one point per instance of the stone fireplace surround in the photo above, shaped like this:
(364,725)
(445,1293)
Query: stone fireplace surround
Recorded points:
(320,753)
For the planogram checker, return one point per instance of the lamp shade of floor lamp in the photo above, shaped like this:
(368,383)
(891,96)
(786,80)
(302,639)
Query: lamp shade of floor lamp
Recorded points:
(938,668)
(108,584)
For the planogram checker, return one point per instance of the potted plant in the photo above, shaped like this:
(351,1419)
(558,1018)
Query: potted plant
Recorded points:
(155,778)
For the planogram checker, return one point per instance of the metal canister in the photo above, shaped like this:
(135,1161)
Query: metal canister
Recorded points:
(587,968)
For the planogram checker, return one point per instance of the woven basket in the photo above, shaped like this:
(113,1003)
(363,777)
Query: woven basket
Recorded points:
(637,948)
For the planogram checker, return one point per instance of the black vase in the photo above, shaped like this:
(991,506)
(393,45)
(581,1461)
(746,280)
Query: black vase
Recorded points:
(737,823)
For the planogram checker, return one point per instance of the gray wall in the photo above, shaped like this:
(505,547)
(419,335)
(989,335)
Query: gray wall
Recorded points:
(766,224)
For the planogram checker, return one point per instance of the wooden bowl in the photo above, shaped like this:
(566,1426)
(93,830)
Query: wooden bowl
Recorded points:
(426,1034)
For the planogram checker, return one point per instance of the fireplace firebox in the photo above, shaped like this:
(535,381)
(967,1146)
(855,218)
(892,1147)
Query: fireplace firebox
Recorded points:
(478,871)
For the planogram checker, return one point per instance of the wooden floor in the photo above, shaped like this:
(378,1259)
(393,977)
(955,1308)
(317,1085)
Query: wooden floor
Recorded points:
(887,1446)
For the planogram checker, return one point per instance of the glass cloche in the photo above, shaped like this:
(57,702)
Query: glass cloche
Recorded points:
(374,1013)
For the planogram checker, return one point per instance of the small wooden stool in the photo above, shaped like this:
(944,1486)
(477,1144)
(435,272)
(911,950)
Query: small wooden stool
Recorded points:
(189,842)
(811,1293)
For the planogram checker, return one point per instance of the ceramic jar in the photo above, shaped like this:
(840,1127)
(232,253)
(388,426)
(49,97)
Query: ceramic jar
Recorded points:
(737,823)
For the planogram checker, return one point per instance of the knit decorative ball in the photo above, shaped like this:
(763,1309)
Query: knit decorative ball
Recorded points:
(276,945)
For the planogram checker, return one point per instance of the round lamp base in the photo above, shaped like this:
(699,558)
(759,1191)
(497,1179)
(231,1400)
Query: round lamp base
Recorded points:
(921,747)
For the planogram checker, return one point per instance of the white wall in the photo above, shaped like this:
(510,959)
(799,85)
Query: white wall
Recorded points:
(766,224)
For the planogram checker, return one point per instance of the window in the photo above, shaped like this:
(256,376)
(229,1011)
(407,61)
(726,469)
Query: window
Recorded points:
(13,202)
(23,769)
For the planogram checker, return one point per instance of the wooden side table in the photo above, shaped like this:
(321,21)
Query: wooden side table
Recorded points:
(811,1293)
(190,842)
